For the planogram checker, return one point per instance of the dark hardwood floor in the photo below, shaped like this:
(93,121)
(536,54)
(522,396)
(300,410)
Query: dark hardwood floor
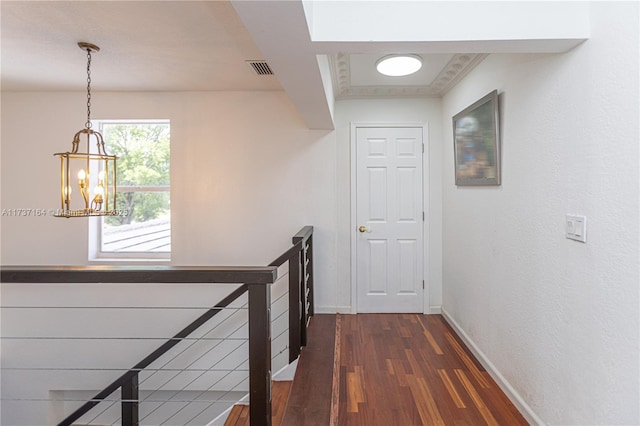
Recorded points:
(408,369)
(239,415)
(387,370)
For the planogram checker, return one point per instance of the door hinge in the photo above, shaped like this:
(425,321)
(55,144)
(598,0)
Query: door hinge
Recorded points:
(423,216)
(423,147)
(423,284)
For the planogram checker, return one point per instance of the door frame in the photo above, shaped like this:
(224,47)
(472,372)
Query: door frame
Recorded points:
(425,207)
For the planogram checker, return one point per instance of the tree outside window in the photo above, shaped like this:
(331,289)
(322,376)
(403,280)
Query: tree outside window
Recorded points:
(143,188)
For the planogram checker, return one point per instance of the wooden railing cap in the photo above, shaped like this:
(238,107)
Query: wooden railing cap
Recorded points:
(139,274)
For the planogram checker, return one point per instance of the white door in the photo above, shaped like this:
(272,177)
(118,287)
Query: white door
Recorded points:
(390,220)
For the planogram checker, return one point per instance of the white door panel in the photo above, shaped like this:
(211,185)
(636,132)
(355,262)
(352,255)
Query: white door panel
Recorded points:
(389,253)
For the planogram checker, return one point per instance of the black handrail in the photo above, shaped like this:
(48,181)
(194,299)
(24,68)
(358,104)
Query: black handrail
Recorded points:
(300,288)
(254,280)
(138,274)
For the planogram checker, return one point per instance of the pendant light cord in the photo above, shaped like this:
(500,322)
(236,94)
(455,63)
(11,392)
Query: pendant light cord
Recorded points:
(88,123)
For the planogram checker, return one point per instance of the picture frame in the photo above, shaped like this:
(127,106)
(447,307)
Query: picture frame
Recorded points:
(476,143)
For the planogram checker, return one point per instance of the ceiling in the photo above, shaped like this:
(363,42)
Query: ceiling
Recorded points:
(157,45)
(169,46)
(145,45)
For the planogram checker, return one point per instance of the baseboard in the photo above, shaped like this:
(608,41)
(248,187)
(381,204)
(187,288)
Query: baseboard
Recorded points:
(222,418)
(333,310)
(434,309)
(506,387)
(286,373)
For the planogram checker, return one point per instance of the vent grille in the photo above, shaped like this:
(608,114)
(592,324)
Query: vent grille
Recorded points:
(261,67)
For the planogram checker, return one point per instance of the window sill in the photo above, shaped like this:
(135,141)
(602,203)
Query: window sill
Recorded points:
(128,261)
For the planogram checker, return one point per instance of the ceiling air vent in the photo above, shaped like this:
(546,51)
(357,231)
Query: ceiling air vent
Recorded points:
(261,67)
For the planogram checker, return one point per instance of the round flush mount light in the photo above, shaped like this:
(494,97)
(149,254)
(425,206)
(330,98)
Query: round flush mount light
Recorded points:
(399,65)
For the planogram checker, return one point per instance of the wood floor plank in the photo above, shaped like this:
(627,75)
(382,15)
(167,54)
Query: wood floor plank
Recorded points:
(280,391)
(425,403)
(239,415)
(477,400)
(448,384)
(355,389)
(467,361)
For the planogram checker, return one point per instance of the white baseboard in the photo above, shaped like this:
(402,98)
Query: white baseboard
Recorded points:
(506,387)
(286,373)
(435,309)
(333,310)
(222,418)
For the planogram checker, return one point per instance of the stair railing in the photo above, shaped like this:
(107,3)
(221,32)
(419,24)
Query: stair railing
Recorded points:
(255,281)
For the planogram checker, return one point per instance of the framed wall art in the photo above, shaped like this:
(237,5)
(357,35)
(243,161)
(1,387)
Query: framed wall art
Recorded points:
(476,140)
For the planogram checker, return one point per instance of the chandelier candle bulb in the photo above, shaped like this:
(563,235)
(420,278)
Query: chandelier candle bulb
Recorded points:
(82,176)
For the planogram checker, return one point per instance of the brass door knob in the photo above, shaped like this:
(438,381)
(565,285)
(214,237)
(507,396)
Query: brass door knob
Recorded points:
(362,228)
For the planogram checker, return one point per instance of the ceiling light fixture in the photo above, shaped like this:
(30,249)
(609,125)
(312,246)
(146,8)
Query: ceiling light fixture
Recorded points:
(95,169)
(399,65)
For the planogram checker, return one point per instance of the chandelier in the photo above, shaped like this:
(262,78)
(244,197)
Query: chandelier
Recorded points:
(93,172)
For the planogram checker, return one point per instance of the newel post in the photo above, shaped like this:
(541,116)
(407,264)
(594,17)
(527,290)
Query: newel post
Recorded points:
(260,354)
(130,398)
(295,307)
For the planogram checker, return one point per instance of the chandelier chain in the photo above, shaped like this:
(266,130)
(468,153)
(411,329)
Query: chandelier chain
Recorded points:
(88,123)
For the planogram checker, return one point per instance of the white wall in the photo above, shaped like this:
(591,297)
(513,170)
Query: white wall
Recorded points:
(244,167)
(246,175)
(388,111)
(557,319)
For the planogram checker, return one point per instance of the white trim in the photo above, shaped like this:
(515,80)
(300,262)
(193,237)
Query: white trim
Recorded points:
(435,310)
(286,373)
(425,206)
(222,417)
(352,222)
(502,382)
(333,309)
(427,218)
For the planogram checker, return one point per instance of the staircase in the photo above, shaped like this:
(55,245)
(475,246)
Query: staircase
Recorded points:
(280,390)
(309,398)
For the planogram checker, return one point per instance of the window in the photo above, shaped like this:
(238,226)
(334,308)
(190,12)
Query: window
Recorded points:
(142,228)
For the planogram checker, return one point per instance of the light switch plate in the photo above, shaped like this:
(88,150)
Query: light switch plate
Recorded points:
(576,228)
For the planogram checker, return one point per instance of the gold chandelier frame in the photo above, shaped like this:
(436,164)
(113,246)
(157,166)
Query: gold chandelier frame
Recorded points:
(95,169)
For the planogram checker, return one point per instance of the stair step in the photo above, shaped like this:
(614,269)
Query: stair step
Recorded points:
(312,391)
(239,415)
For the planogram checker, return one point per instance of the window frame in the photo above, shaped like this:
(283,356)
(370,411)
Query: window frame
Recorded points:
(96,223)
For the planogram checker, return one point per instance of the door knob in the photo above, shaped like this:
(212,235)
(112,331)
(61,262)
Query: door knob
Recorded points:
(362,228)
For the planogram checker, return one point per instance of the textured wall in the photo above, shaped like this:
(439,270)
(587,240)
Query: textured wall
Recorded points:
(558,319)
